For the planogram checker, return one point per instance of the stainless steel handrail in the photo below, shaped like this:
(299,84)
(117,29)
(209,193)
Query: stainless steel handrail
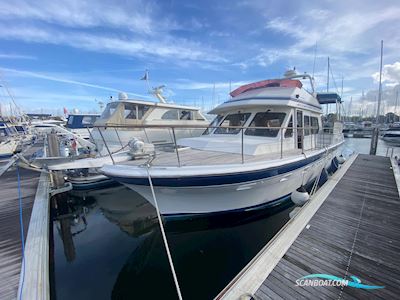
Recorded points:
(322,133)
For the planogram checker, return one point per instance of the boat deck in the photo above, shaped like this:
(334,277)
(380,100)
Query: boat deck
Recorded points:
(10,238)
(355,232)
(193,157)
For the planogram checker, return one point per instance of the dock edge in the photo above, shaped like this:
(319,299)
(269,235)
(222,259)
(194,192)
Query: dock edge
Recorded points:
(250,278)
(34,280)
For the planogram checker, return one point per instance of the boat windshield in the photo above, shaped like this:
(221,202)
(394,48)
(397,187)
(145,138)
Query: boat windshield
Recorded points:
(268,120)
(214,123)
(109,110)
(232,120)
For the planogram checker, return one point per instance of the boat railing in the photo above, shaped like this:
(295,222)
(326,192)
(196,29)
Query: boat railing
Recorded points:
(289,140)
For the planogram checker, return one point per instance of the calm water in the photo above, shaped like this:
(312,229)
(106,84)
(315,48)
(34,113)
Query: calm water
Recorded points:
(107,244)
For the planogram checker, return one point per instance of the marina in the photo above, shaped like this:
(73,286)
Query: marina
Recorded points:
(361,220)
(132,225)
(237,150)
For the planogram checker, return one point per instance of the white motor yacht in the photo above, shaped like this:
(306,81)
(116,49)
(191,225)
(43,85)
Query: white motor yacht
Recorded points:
(266,142)
(125,119)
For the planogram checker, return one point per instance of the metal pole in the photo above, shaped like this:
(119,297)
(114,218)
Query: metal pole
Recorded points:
(116,131)
(375,134)
(302,141)
(242,145)
(105,144)
(176,147)
(281,142)
(91,137)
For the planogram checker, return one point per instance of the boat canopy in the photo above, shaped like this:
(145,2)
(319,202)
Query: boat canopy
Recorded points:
(328,98)
(266,84)
(81,120)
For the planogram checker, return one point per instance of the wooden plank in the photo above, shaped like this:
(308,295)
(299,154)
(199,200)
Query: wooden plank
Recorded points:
(258,269)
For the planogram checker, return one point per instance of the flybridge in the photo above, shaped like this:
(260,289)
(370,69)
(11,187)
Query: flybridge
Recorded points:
(266,84)
(328,98)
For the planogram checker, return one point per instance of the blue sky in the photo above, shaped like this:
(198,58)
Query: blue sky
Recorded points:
(68,54)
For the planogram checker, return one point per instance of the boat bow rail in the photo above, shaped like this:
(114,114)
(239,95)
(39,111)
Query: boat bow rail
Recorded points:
(239,148)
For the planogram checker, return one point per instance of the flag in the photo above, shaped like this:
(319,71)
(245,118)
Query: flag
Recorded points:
(65,111)
(146,75)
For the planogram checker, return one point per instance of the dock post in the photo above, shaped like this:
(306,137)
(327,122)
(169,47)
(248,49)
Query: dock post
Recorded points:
(59,200)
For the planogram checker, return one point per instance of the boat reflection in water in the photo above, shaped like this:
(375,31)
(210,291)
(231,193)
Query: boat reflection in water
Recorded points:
(119,253)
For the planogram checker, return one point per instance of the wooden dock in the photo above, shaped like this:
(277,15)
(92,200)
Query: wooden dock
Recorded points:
(10,237)
(355,231)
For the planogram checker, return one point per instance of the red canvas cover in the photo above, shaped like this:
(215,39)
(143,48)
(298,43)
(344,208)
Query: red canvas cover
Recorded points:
(267,83)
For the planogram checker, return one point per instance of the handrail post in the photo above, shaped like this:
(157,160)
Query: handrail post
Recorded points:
(281,142)
(105,144)
(176,146)
(242,145)
(91,136)
(302,141)
(115,129)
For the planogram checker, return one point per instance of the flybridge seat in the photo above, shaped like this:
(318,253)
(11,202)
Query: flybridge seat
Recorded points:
(265,84)
(328,98)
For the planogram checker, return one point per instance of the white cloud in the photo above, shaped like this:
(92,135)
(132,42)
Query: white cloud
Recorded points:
(390,74)
(30,74)
(134,15)
(15,56)
(166,47)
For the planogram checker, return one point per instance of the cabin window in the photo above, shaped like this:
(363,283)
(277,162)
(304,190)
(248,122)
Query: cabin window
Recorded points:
(171,114)
(307,125)
(232,120)
(213,124)
(185,115)
(266,119)
(70,120)
(89,120)
(289,130)
(198,116)
(142,110)
(130,111)
(314,125)
(110,109)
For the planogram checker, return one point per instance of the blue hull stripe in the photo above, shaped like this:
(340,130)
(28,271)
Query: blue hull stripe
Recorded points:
(210,180)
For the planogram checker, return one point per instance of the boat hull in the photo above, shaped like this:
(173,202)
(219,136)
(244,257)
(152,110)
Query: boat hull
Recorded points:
(175,200)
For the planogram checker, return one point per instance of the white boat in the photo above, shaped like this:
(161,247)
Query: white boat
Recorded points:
(9,140)
(116,126)
(266,142)
(110,129)
(81,124)
(392,135)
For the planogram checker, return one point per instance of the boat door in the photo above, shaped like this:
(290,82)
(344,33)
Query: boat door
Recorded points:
(300,138)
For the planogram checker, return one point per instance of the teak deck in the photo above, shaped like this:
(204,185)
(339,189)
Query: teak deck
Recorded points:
(10,238)
(355,232)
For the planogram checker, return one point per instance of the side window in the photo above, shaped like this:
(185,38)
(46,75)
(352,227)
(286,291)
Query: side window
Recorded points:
(130,111)
(171,114)
(185,115)
(70,120)
(88,120)
(142,109)
(307,125)
(289,130)
(314,125)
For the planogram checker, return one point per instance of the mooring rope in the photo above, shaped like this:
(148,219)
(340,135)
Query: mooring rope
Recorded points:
(178,290)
